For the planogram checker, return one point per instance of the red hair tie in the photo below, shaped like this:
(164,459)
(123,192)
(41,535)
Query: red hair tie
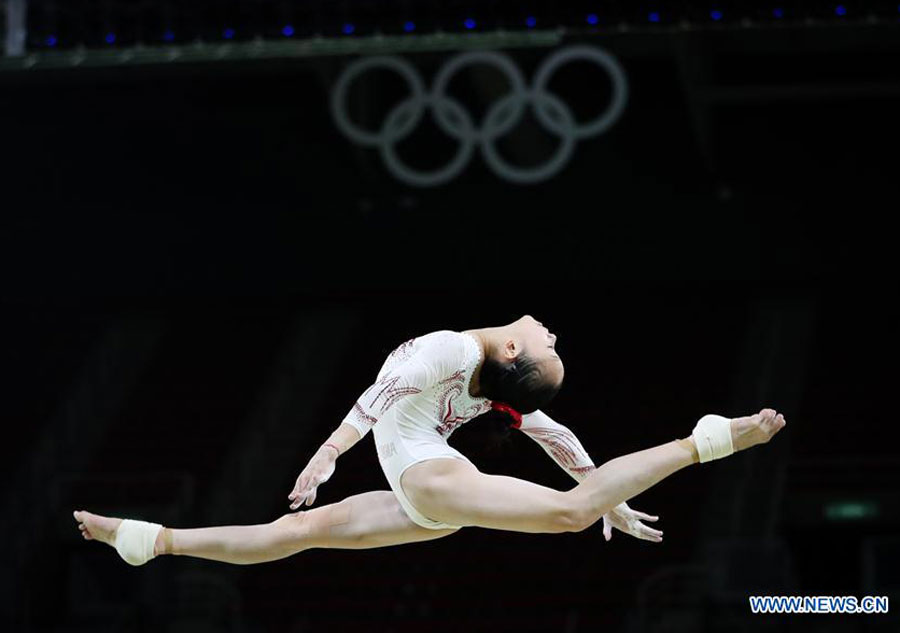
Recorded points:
(505,408)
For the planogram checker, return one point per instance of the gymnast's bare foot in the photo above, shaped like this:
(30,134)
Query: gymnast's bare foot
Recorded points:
(755,429)
(97,528)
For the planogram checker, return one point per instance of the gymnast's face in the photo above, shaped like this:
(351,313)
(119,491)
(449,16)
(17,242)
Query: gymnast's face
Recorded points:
(536,341)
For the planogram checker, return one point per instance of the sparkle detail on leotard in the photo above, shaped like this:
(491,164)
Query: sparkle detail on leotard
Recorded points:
(423,374)
(451,390)
(391,392)
(403,352)
(562,448)
(387,386)
(362,415)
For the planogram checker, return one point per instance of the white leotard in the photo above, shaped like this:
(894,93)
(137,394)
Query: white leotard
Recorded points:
(422,395)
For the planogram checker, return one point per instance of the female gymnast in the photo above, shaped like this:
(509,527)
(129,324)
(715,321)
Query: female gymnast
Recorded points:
(426,388)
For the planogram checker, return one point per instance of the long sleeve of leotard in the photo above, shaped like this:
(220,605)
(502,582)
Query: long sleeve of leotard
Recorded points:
(559,443)
(410,369)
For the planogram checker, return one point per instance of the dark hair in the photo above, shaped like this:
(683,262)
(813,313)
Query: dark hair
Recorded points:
(521,384)
(495,427)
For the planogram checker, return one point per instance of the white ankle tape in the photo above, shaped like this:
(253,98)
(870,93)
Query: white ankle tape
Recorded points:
(712,436)
(135,540)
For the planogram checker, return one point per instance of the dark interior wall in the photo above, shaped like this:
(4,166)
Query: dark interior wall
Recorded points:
(234,180)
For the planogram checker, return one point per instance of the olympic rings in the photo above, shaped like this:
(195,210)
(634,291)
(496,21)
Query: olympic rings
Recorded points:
(501,117)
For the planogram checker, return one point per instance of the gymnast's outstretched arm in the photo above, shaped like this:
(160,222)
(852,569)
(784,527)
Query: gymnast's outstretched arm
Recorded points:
(408,370)
(561,444)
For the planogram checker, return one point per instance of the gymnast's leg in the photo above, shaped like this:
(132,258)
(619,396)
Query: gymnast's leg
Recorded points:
(363,521)
(457,493)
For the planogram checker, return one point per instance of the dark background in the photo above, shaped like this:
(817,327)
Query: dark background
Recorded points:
(200,274)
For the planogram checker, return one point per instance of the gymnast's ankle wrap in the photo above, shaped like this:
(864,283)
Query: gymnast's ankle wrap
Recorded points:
(712,437)
(135,540)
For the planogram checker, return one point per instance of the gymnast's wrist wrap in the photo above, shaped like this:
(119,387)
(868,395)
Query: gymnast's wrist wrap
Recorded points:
(135,540)
(712,437)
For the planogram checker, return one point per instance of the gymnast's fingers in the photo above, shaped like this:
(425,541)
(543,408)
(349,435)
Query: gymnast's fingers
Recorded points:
(649,530)
(649,537)
(649,534)
(644,516)
(298,487)
(298,500)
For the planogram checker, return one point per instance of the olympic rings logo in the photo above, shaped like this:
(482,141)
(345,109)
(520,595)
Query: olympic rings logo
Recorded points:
(502,116)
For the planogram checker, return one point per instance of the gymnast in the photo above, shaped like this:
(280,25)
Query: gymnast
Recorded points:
(428,387)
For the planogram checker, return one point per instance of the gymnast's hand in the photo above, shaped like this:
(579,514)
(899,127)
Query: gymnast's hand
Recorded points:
(317,472)
(629,521)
